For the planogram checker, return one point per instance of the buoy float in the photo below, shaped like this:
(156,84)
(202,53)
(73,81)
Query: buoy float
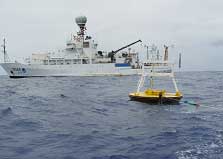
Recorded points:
(156,69)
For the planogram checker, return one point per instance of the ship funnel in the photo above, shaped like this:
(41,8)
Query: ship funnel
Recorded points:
(81,22)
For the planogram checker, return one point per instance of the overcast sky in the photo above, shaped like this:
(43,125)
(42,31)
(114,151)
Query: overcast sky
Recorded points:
(195,27)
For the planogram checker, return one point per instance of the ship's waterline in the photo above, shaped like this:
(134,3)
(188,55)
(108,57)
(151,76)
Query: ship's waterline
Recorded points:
(22,70)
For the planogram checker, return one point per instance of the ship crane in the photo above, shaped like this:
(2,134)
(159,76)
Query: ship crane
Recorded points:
(112,53)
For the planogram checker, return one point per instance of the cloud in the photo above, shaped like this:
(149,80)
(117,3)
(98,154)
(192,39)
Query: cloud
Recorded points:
(217,43)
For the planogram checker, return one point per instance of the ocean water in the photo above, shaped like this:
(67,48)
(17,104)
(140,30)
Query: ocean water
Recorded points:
(92,118)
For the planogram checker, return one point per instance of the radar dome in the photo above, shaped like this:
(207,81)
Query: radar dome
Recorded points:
(81,20)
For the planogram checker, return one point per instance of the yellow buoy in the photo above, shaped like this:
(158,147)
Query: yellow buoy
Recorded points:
(152,95)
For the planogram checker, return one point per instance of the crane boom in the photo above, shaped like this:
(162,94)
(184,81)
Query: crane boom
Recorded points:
(112,53)
(126,46)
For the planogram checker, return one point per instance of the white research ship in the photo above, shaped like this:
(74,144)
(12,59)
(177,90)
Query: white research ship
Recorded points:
(79,58)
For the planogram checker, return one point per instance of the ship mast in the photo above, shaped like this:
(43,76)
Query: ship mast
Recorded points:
(179,60)
(6,58)
(147,51)
(4,50)
(81,22)
(166,52)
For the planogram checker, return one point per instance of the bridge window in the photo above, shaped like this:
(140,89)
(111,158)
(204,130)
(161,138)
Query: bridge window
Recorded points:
(86,44)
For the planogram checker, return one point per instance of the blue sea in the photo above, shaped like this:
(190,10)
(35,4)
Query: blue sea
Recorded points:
(93,118)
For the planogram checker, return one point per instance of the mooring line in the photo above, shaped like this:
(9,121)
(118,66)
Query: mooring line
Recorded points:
(199,105)
(196,104)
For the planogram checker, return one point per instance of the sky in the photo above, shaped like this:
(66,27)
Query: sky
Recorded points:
(194,27)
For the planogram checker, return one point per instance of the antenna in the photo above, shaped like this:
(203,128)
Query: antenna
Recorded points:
(81,22)
(6,58)
(158,55)
(4,49)
(179,60)
(147,51)
(166,51)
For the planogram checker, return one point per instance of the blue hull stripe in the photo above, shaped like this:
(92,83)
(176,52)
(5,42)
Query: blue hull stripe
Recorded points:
(122,65)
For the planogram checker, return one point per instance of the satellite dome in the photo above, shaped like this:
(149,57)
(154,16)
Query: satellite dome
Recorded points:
(81,20)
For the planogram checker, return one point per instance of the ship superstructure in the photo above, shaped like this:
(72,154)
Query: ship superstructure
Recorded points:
(79,58)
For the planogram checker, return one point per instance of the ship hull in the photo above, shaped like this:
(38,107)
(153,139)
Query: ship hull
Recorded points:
(18,70)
